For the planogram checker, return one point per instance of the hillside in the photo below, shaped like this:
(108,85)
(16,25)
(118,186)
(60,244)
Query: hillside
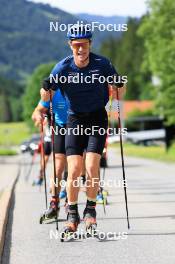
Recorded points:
(103,19)
(26,40)
(25,37)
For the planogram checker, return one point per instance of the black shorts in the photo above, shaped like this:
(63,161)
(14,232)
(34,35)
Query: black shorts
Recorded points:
(47,148)
(90,135)
(59,140)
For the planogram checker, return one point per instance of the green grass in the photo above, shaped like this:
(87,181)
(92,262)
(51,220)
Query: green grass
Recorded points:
(13,133)
(150,152)
(8,152)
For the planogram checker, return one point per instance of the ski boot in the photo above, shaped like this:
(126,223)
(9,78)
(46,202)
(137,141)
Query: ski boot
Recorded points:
(63,194)
(37,182)
(52,212)
(101,198)
(70,228)
(89,217)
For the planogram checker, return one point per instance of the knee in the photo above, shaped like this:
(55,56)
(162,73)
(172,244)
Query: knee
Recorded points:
(92,169)
(74,171)
(60,165)
(59,170)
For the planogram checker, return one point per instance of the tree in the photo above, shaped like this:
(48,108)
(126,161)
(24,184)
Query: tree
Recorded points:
(32,93)
(5,108)
(158,33)
(126,54)
(10,103)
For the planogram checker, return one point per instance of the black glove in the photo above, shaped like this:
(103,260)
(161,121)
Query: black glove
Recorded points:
(47,85)
(119,83)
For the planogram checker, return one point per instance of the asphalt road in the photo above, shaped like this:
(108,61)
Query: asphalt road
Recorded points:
(151,239)
(8,171)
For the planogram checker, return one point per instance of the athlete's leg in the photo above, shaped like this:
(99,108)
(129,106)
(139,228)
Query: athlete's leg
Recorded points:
(96,143)
(92,168)
(74,151)
(60,160)
(75,163)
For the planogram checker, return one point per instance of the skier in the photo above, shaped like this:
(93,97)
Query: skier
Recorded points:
(47,151)
(86,100)
(60,113)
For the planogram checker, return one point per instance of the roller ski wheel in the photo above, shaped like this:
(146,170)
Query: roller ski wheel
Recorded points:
(91,230)
(70,229)
(69,232)
(50,214)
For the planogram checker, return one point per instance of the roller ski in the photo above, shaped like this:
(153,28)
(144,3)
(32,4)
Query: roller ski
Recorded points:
(51,213)
(70,229)
(89,217)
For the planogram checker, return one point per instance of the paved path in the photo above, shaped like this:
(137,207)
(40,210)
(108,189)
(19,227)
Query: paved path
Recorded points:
(8,170)
(151,196)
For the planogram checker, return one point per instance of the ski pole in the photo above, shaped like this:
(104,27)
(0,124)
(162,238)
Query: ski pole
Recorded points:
(43,163)
(104,168)
(101,191)
(53,149)
(122,157)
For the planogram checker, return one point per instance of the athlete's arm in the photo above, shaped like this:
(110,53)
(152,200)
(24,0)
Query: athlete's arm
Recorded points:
(37,115)
(45,95)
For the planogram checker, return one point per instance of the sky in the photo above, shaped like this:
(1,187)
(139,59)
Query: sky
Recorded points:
(100,7)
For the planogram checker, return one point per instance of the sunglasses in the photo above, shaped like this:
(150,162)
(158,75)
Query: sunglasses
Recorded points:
(77,45)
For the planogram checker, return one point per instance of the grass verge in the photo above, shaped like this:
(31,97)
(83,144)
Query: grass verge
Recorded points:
(13,133)
(8,152)
(150,152)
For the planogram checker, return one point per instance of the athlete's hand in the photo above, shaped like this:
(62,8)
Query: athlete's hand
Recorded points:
(118,93)
(49,85)
(37,117)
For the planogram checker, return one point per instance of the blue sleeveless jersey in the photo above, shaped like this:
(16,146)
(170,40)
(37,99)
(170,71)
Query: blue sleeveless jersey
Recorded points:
(60,108)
